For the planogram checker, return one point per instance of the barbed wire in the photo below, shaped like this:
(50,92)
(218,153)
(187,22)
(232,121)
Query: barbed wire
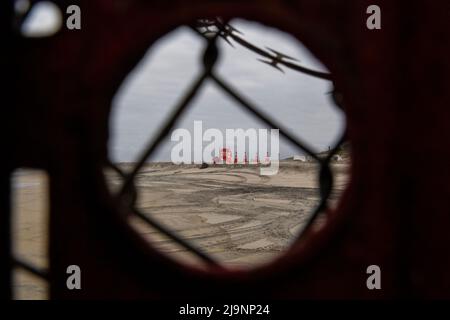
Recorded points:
(212,27)
(211,30)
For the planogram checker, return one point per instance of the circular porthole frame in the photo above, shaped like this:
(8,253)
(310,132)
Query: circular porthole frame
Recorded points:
(312,239)
(92,78)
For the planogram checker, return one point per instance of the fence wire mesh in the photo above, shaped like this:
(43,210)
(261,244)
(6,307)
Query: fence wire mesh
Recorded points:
(213,30)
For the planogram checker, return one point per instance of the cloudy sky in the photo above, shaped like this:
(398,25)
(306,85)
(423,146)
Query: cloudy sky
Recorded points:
(297,100)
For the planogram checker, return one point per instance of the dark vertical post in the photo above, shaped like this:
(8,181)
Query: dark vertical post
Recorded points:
(6,24)
(5,237)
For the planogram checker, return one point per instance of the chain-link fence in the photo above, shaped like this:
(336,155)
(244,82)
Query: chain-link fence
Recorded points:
(212,31)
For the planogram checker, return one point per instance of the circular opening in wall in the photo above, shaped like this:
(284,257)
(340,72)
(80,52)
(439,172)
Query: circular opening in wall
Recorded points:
(227,166)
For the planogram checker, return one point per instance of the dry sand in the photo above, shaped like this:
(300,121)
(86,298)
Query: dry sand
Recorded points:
(237,216)
(233,213)
(30,226)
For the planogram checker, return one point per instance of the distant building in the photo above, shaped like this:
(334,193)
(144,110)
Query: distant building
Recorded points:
(267,159)
(300,158)
(245,158)
(256,159)
(226,155)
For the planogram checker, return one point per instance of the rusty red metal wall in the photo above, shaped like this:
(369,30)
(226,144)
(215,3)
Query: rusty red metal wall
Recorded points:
(57,96)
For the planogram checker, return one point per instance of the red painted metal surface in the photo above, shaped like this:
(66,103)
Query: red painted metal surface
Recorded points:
(395,214)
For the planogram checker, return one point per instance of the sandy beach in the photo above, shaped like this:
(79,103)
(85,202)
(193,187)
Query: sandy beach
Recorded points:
(231,212)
